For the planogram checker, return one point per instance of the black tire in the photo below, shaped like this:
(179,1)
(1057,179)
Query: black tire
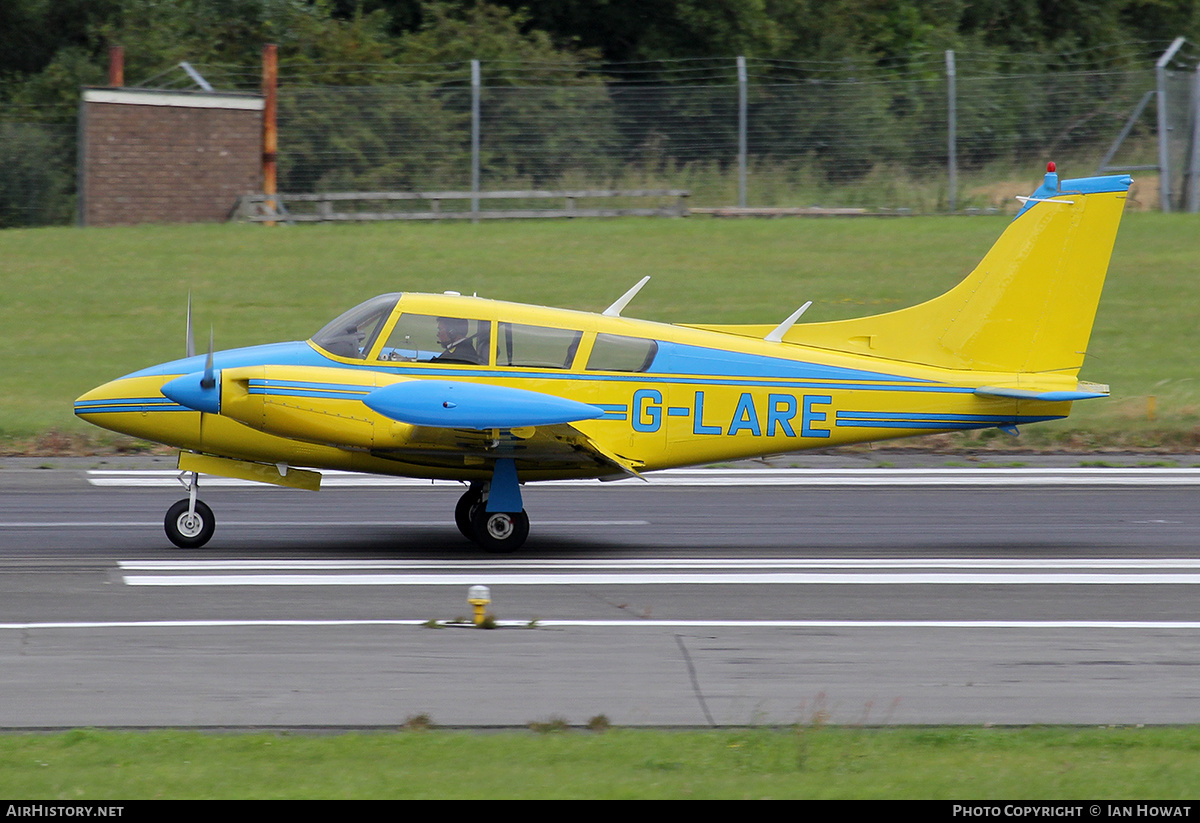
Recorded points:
(500,532)
(465,509)
(189,532)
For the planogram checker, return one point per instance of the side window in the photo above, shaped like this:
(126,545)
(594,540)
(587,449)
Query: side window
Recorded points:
(425,338)
(536,346)
(612,352)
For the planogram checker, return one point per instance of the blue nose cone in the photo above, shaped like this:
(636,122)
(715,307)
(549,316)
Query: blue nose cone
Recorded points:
(196,392)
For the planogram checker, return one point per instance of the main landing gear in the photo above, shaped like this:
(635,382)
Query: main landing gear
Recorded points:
(190,523)
(495,532)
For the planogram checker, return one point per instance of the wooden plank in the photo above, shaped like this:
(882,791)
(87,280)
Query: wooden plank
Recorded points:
(489,214)
(525,194)
(785,211)
(253,207)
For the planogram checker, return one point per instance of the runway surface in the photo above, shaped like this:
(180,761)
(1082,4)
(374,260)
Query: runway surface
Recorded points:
(701,598)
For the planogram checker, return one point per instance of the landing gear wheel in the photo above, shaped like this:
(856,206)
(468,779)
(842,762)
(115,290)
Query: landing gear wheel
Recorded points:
(466,508)
(189,531)
(500,532)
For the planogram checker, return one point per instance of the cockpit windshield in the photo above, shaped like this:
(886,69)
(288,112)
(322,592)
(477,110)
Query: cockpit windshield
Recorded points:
(352,334)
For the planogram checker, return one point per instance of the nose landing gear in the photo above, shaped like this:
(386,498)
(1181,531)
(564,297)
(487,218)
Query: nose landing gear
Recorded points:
(189,523)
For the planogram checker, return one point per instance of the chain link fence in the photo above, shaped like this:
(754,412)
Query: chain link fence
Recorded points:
(928,133)
(773,134)
(37,172)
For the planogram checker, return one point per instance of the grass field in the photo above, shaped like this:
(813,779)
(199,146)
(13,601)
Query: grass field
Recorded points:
(81,306)
(802,762)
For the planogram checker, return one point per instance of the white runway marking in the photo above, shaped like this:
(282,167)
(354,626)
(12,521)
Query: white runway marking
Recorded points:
(763,579)
(648,572)
(742,477)
(1125,625)
(93,524)
(678,563)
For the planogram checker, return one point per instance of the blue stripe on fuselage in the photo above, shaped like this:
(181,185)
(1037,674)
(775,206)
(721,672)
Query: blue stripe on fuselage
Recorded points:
(678,358)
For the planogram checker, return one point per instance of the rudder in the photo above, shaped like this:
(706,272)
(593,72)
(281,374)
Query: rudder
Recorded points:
(1027,307)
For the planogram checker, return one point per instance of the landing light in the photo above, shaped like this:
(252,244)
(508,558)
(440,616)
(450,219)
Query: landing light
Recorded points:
(479,597)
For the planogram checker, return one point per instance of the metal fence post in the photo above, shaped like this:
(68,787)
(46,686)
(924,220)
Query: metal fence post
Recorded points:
(475,90)
(1164,130)
(741,79)
(952,129)
(116,66)
(270,126)
(1192,182)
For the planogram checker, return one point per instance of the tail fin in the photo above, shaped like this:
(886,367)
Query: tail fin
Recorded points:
(1027,307)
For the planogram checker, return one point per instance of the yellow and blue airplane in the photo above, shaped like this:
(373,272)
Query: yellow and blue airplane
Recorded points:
(496,394)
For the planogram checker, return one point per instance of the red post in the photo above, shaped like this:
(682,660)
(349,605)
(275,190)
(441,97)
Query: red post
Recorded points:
(116,66)
(270,136)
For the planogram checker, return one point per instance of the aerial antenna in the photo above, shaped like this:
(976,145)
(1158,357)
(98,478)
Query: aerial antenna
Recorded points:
(616,308)
(776,336)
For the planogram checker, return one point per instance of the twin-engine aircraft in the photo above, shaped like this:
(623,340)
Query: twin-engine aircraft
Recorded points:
(496,395)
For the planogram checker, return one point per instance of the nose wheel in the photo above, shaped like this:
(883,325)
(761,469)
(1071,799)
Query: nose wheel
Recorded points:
(189,523)
(188,527)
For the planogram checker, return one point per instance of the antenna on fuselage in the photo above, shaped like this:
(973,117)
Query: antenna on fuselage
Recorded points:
(776,336)
(616,308)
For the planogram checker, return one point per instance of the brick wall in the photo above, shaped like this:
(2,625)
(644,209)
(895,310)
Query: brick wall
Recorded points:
(166,157)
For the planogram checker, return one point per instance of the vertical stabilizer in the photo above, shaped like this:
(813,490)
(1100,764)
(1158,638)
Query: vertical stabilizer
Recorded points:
(1027,307)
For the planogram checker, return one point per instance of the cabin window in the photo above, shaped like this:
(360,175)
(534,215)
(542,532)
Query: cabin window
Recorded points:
(426,338)
(612,352)
(538,347)
(353,333)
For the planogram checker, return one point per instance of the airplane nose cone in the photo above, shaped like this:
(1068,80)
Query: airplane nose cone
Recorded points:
(96,401)
(135,406)
(196,391)
(119,397)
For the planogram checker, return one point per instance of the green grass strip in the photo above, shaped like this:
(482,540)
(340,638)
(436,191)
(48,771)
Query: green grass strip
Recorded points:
(958,763)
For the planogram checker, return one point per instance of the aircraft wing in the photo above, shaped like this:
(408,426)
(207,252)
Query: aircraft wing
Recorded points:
(443,424)
(467,423)
(553,450)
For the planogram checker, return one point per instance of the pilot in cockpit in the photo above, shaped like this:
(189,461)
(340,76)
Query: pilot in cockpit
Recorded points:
(453,335)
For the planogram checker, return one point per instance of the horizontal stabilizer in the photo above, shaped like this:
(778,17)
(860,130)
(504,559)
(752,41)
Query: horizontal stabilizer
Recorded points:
(454,405)
(1048,396)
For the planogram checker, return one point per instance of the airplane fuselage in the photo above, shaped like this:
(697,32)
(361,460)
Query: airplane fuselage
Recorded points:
(699,396)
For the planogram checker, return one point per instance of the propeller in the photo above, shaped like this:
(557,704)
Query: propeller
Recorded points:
(209,380)
(190,344)
(198,390)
